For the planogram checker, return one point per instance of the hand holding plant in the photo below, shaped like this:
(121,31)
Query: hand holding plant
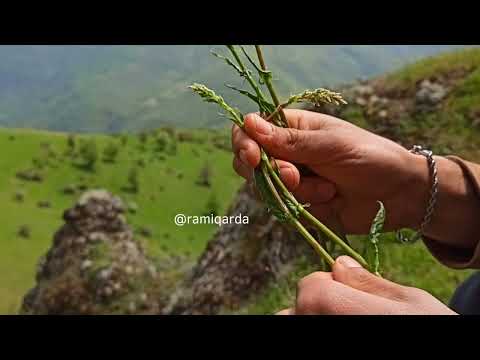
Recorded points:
(285,136)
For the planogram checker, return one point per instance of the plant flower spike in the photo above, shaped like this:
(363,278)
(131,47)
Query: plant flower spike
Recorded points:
(278,199)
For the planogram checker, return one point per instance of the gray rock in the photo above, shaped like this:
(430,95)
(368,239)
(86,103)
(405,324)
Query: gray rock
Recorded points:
(80,276)
(430,93)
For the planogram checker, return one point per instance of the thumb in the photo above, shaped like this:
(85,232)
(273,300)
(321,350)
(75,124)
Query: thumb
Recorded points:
(283,143)
(349,272)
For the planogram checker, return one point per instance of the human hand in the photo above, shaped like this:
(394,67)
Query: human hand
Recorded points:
(351,290)
(352,168)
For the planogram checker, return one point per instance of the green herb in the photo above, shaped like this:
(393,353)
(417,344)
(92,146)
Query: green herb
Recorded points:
(374,238)
(279,201)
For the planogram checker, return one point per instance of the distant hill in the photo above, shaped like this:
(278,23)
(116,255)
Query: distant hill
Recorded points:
(113,88)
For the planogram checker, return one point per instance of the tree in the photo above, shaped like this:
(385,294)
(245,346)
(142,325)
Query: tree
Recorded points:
(161,142)
(205,176)
(123,139)
(110,152)
(70,144)
(212,207)
(172,150)
(142,138)
(133,183)
(89,154)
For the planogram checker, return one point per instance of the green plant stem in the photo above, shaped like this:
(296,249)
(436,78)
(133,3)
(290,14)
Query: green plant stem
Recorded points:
(331,235)
(324,229)
(269,84)
(301,229)
(249,78)
(311,240)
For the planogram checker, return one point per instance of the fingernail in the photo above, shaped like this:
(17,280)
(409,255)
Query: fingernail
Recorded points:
(263,127)
(243,156)
(347,261)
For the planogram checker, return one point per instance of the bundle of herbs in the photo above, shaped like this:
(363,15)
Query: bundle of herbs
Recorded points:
(278,199)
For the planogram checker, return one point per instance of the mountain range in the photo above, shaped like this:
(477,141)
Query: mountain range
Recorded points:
(130,88)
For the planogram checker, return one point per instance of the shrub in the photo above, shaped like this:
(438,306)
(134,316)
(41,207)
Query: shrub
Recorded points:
(44,204)
(205,176)
(132,207)
(170,131)
(133,183)
(110,152)
(145,232)
(161,142)
(19,196)
(70,144)
(123,139)
(69,189)
(185,136)
(172,149)
(24,231)
(212,207)
(89,154)
(29,175)
(143,138)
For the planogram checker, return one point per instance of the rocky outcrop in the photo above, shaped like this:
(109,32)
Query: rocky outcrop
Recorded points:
(430,94)
(238,262)
(95,266)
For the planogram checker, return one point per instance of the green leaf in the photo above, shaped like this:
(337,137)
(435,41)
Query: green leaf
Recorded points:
(262,73)
(267,197)
(264,106)
(229,62)
(373,251)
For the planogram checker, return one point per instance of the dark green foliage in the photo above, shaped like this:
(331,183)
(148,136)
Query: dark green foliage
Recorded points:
(132,180)
(19,196)
(145,232)
(123,139)
(172,149)
(69,189)
(24,231)
(212,206)
(143,138)
(161,142)
(29,175)
(70,145)
(89,154)
(141,163)
(44,204)
(185,136)
(205,176)
(110,152)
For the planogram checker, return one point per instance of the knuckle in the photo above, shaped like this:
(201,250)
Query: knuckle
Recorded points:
(362,277)
(292,138)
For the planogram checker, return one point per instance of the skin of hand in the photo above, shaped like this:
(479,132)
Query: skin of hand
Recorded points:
(351,290)
(352,169)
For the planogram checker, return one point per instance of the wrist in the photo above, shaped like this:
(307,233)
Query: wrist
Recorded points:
(418,185)
(455,205)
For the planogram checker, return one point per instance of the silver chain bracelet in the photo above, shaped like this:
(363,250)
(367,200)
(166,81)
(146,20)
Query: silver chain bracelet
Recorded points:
(432,165)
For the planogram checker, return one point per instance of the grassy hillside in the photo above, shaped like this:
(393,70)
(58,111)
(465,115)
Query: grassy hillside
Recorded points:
(110,88)
(166,187)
